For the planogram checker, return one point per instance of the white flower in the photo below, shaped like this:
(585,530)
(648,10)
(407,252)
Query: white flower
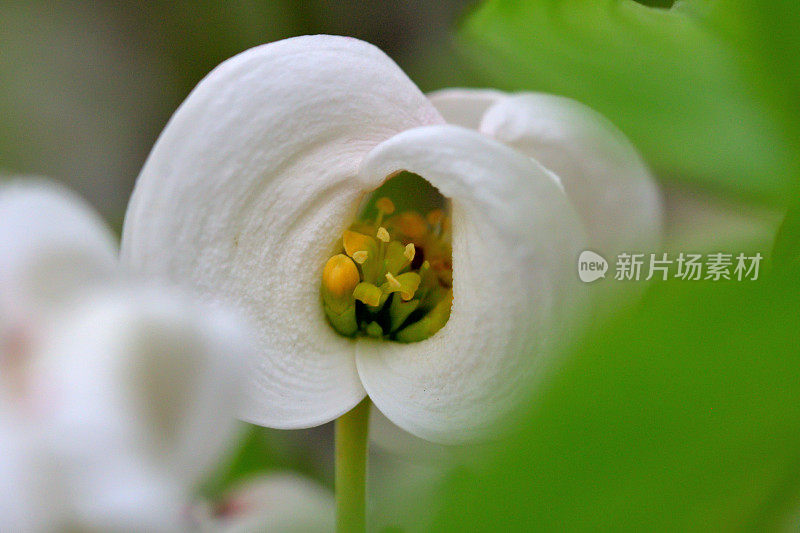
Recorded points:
(248,191)
(609,184)
(141,387)
(115,397)
(53,244)
(605,178)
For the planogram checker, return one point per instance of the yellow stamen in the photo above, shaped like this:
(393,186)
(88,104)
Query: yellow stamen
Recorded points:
(385,205)
(435,216)
(374,287)
(410,251)
(406,284)
(393,283)
(355,242)
(340,275)
(410,224)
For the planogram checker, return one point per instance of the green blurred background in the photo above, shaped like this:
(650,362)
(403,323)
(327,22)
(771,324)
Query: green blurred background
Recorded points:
(681,414)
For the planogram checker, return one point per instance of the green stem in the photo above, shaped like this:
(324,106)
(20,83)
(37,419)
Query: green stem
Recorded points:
(351,469)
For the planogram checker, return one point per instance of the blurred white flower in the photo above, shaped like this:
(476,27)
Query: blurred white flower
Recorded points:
(274,502)
(53,244)
(24,487)
(249,188)
(115,396)
(140,387)
(603,175)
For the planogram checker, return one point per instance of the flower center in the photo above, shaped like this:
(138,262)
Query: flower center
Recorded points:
(393,276)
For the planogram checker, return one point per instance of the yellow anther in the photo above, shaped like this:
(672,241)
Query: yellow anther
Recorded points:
(435,216)
(360,256)
(393,283)
(406,284)
(355,242)
(340,275)
(410,224)
(410,251)
(385,205)
(383,235)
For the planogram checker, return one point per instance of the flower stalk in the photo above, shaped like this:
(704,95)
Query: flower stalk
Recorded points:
(351,468)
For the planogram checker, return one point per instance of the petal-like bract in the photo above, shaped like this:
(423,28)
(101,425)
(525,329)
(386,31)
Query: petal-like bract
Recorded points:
(248,190)
(464,107)
(602,173)
(250,186)
(515,242)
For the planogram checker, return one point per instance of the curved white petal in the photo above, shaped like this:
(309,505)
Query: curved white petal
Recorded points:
(143,372)
(464,107)
(52,243)
(248,190)
(515,242)
(607,181)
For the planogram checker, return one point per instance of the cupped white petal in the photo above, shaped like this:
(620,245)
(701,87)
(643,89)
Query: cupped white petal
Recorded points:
(143,372)
(607,181)
(52,243)
(247,191)
(464,107)
(515,242)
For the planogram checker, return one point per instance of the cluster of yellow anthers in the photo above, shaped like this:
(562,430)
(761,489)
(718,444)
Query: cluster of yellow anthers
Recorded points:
(394,279)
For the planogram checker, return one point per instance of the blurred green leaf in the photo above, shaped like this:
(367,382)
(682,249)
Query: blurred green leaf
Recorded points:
(766,34)
(682,417)
(786,255)
(669,78)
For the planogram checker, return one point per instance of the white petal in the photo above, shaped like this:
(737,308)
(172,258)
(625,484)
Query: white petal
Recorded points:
(248,190)
(52,244)
(609,184)
(464,107)
(148,370)
(515,243)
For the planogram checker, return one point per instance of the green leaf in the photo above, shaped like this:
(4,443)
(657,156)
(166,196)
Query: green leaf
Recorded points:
(766,34)
(786,255)
(681,417)
(670,79)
